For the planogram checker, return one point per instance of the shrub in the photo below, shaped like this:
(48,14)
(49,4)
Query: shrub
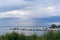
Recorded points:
(50,35)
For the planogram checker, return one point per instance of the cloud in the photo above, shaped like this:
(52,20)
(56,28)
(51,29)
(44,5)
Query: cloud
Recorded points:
(28,12)
(29,8)
(24,14)
(10,2)
(8,5)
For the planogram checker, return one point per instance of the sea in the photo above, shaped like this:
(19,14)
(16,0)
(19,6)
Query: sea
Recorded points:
(10,23)
(4,30)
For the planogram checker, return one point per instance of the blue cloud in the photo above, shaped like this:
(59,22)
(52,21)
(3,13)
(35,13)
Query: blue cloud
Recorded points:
(3,9)
(9,5)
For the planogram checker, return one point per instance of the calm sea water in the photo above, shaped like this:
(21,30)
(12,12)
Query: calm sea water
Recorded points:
(4,30)
(8,23)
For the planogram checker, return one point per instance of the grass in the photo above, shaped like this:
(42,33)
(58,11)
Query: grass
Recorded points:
(51,35)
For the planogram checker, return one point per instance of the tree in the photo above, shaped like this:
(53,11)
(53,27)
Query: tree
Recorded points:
(53,26)
(58,26)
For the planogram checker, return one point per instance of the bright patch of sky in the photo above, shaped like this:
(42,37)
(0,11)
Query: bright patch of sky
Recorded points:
(29,8)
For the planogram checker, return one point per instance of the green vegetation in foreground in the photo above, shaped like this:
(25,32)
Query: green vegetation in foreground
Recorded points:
(51,35)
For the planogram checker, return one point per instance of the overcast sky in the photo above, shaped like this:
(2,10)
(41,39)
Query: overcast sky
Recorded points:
(29,8)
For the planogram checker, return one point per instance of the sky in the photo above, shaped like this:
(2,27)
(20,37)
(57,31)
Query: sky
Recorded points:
(29,8)
(23,12)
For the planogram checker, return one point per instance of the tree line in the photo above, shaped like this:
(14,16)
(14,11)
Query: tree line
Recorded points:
(55,26)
